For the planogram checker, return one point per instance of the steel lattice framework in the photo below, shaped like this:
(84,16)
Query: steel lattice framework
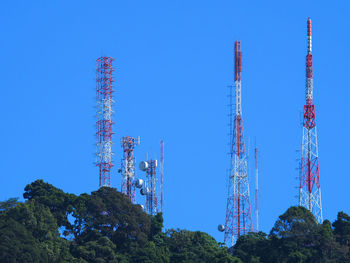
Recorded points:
(310,187)
(161,173)
(128,169)
(256,189)
(238,211)
(104,91)
(151,186)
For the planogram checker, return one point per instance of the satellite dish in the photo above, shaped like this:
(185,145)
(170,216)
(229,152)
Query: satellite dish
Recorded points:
(143,166)
(221,228)
(144,191)
(139,183)
(142,207)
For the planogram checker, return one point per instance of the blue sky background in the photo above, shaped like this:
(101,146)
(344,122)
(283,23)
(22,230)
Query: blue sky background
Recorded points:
(174,60)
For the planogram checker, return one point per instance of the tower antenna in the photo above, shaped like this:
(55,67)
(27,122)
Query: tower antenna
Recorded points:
(128,170)
(238,211)
(161,173)
(104,92)
(150,187)
(256,189)
(310,187)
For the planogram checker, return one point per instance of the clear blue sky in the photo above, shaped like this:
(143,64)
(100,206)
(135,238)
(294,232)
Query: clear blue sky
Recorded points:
(174,60)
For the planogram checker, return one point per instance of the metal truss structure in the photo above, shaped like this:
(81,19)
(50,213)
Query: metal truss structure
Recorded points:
(238,211)
(161,173)
(151,186)
(104,91)
(128,169)
(256,190)
(310,187)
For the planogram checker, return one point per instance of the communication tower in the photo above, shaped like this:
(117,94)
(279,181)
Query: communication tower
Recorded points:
(150,186)
(238,211)
(161,173)
(104,92)
(128,170)
(310,187)
(256,189)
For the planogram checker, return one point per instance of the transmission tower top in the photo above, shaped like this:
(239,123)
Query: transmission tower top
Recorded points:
(309,36)
(238,70)
(238,60)
(309,70)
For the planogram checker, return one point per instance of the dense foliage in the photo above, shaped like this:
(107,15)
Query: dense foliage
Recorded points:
(53,226)
(297,238)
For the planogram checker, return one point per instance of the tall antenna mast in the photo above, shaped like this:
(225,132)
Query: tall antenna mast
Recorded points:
(310,186)
(104,91)
(161,173)
(238,211)
(256,189)
(128,170)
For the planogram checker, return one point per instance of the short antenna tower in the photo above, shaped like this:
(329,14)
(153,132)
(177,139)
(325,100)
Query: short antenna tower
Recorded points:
(150,186)
(128,170)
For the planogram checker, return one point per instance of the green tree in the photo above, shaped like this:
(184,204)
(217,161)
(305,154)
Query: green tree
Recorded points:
(114,216)
(55,199)
(342,228)
(330,251)
(99,249)
(294,237)
(8,204)
(29,233)
(192,247)
(252,247)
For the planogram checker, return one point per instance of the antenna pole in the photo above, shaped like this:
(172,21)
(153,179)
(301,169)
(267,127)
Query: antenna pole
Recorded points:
(161,173)
(256,189)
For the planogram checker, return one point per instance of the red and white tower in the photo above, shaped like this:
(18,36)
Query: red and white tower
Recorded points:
(104,91)
(128,169)
(238,211)
(310,187)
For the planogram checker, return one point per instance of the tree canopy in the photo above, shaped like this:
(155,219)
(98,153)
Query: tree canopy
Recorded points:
(104,226)
(296,237)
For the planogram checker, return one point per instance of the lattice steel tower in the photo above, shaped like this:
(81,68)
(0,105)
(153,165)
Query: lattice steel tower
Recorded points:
(104,91)
(150,188)
(161,174)
(238,211)
(256,190)
(310,187)
(151,183)
(128,169)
